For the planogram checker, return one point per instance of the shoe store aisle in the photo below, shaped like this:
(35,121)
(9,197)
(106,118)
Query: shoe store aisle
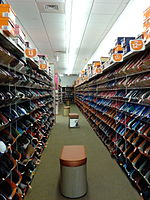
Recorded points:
(102,170)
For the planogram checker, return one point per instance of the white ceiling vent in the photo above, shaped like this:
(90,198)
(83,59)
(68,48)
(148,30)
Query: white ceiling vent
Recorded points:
(61,52)
(51,6)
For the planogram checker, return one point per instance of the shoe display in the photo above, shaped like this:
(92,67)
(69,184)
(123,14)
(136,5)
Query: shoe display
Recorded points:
(117,104)
(26,118)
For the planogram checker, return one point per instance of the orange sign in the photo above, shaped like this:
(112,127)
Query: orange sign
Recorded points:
(82,72)
(118,48)
(117,57)
(43,66)
(30,53)
(99,70)
(96,63)
(137,45)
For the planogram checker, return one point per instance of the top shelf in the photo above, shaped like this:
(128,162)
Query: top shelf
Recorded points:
(112,65)
(10,45)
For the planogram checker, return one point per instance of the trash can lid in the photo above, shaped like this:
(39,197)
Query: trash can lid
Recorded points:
(73,115)
(73,155)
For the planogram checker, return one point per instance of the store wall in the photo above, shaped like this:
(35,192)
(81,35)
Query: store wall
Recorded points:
(68,80)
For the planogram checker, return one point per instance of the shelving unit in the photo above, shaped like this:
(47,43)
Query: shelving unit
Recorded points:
(117,105)
(26,118)
(60,94)
(68,94)
(58,98)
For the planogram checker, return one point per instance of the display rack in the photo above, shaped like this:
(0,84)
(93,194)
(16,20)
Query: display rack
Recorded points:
(60,94)
(26,118)
(68,94)
(117,105)
(58,98)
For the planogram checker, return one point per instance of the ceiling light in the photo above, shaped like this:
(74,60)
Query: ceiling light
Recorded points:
(57,58)
(75,26)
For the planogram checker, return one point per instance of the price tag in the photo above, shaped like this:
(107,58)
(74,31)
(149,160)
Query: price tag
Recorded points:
(117,57)
(43,66)
(30,53)
(137,45)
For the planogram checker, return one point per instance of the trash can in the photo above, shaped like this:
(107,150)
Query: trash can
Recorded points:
(66,110)
(73,175)
(73,120)
(68,103)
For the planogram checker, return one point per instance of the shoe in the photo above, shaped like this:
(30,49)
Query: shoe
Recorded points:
(8,188)
(138,161)
(3,120)
(133,155)
(145,193)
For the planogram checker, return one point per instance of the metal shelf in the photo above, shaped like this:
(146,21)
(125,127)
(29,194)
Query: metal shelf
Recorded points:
(8,44)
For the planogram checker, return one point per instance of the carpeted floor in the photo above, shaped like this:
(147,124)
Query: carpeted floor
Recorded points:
(106,181)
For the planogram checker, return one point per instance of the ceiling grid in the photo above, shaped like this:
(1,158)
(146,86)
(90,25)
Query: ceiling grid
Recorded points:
(47,27)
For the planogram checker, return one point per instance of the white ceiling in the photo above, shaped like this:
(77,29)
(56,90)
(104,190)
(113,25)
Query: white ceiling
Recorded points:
(48,30)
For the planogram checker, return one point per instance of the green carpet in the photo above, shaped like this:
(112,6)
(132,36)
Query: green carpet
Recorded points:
(106,181)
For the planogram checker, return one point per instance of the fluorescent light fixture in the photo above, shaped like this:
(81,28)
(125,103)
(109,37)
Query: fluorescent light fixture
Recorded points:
(77,13)
(57,58)
(130,23)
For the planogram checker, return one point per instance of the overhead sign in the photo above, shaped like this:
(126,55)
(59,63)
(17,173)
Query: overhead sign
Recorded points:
(137,45)
(117,57)
(30,53)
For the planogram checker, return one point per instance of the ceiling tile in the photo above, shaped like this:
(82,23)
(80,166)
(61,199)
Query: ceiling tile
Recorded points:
(47,30)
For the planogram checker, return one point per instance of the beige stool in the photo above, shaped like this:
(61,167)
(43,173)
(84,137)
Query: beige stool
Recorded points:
(66,110)
(73,178)
(73,120)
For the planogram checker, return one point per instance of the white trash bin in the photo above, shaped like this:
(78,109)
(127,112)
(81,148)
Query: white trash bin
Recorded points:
(73,120)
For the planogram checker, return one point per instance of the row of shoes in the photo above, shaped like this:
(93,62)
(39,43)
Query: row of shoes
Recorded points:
(121,122)
(130,108)
(141,96)
(18,165)
(141,111)
(13,95)
(140,63)
(12,77)
(9,135)
(9,114)
(6,58)
(142,80)
(137,64)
